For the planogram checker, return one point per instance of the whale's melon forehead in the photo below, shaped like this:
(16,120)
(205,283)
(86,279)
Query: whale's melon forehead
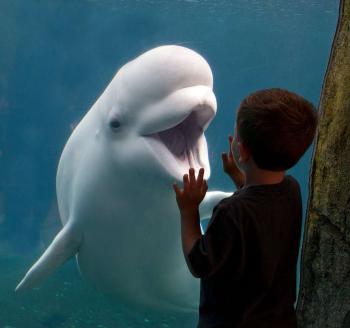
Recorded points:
(163,70)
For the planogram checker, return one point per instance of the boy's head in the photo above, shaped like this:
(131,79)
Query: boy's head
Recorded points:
(275,127)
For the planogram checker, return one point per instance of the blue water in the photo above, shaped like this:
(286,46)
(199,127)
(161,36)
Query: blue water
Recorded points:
(56,57)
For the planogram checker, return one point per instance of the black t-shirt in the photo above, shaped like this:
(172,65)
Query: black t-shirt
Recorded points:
(247,258)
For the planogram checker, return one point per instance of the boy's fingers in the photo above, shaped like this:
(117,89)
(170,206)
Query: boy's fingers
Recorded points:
(227,158)
(192,177)
(205,186)
(176,188)
(200,176)
(230,152)
(185,182)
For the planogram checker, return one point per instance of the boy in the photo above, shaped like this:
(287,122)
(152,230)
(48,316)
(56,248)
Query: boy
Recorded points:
(248,255)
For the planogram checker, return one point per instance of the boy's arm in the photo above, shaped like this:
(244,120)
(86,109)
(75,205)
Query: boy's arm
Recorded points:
(190,232)
(221,242)
(188,201)
(204,254)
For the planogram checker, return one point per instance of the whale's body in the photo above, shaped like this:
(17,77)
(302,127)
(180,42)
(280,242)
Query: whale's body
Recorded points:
(115,175)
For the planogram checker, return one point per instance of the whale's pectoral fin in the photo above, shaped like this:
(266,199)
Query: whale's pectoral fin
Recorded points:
(211,199)
(65,245)
(206,207)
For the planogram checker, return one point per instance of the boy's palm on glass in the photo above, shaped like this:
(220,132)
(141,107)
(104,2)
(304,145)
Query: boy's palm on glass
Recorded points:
(230,166)
(194,190)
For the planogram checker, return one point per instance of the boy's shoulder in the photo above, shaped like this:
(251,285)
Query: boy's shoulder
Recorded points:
(245,196)
(246,207)
(230,204)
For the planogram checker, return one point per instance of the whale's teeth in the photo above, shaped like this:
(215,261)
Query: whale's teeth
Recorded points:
(190,157)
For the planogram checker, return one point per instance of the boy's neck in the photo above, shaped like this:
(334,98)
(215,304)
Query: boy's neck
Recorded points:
(256,176)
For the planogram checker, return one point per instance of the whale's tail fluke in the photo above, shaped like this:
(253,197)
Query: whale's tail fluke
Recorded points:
(65,245)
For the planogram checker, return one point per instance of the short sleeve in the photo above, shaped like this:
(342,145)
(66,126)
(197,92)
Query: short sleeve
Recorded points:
(220,244)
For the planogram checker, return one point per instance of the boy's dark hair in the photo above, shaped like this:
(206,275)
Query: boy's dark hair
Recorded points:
(277,126)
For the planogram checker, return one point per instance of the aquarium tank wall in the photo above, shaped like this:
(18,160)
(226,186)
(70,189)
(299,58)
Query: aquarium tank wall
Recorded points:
(57,57)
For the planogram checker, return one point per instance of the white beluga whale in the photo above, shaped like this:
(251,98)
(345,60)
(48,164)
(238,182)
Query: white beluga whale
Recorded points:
(114,181)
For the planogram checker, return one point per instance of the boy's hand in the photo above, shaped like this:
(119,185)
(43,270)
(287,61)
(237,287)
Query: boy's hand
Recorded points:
(193,192)
(230,166)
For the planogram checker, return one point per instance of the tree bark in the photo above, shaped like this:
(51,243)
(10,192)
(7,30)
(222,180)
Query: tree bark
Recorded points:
(324,296)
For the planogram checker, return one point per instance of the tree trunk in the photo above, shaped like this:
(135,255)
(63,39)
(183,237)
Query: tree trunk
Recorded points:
(324,297)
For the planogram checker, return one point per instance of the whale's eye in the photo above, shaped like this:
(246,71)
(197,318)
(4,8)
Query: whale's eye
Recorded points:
(114,124)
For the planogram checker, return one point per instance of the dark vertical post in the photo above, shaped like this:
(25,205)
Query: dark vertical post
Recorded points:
(324,297)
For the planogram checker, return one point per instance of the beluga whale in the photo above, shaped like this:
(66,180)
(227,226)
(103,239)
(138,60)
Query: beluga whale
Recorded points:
(114,182)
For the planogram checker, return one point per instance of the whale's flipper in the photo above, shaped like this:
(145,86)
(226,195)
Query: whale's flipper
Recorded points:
(211,199)
(65,245)
(206,207)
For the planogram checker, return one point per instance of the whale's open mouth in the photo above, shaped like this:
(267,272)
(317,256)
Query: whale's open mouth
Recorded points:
(184,145)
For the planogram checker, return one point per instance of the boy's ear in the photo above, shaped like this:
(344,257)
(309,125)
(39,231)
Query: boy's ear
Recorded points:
(244,153)
(236,134)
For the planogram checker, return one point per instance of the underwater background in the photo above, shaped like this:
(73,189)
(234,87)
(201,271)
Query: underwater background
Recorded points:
(56,58)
